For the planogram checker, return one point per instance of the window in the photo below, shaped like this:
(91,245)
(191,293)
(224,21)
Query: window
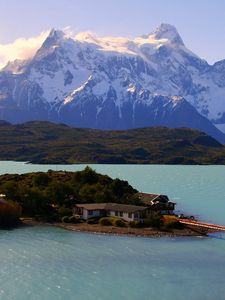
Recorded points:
(102,212)
(116,213)
(130,215)
(136,215)
(90,212)
(121,213)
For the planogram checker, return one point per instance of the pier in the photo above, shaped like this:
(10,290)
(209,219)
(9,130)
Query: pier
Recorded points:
(203,225)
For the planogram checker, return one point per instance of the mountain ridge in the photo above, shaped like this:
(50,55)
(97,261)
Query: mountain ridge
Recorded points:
(50,143)
(87,80)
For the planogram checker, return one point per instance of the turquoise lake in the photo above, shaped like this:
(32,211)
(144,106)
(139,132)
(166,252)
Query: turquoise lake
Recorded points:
(51,263)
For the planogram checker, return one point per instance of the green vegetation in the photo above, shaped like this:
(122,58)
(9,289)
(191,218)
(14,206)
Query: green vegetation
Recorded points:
(106,221)
(65,219)
(74,220)
(50,196)
(94,220)
(9,214)
(120,223)
(171,222)
(43,142)
(153,219)
(112,221)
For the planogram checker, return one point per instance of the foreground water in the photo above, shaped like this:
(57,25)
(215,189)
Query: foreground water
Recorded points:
(50,263)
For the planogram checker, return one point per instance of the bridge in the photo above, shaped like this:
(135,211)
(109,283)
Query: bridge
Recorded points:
(203,225)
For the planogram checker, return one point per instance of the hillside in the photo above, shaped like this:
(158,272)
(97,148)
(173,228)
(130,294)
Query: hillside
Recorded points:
(44,142)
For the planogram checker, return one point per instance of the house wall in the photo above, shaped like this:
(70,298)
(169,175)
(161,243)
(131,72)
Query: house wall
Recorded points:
(124,215)
(127,218)
(166,212)
(95,213)
(85,214)
(111,213)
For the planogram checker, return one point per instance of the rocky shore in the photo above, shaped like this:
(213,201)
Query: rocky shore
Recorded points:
(113,230)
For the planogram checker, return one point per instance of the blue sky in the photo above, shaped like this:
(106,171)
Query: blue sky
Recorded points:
(201,23)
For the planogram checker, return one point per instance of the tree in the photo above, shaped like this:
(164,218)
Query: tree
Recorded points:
(87,193)
(41,179)
(87,176)
(10,189)
(36,203)
(154,219)
(10,213)
(60,193)
(121,188)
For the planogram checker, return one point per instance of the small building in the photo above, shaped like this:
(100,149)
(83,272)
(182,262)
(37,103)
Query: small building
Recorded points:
(123,211)
(157,202)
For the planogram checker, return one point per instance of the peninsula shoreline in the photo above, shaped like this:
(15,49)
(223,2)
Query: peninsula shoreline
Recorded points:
(187,231)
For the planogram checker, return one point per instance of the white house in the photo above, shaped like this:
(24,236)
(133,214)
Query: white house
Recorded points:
(123,211)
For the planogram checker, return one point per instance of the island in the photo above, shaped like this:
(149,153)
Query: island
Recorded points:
(87,201)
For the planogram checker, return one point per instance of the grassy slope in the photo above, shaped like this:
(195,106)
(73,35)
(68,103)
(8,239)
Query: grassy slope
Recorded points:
(43,142)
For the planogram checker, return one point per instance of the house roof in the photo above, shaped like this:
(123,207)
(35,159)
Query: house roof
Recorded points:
(149,198)
(112,206)
(92,206)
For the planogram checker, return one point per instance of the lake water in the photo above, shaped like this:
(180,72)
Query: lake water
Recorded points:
(51,263)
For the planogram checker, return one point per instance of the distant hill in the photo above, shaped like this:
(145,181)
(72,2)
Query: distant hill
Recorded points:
(44,142)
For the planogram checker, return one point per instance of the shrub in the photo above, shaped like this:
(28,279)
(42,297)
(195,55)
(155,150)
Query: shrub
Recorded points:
(170,222)
(37,218)
(74,220)
(119,223)
(63,211)
(65,219)
(105,222)
(135,224)
(41,179)
(10,214)
(93,220)
(153,220)
(54,217)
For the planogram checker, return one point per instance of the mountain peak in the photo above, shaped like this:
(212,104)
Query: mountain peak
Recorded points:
(56,34)
(54,38)
(169,32)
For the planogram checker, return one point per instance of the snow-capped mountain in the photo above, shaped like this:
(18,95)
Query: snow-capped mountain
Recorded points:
(115,83)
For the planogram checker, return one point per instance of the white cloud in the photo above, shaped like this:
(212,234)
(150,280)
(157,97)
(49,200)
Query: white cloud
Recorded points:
(68,31)
(21,48)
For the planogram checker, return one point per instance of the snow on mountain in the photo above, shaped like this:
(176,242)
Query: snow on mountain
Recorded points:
(168,32)
(115,82)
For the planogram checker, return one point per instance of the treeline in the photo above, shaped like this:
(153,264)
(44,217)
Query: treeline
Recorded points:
(49,143)
(51,195)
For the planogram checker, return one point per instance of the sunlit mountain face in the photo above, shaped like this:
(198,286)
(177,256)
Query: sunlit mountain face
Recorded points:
(115,83)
